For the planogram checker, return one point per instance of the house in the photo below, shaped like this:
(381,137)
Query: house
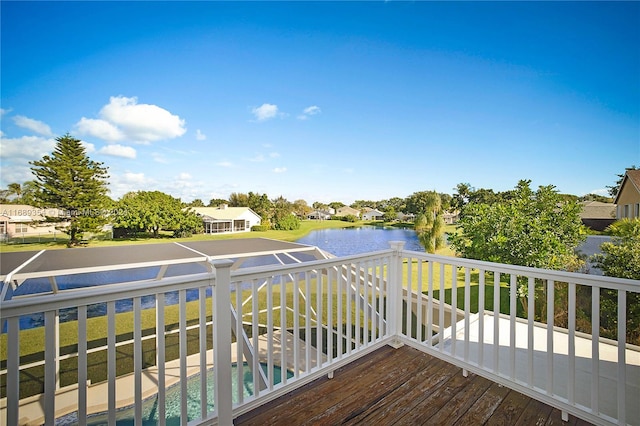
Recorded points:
(406,217)
(20,220)
(225,219)
(319,215)
(597,215)
(628,198)
(346,211)
(451,217)
(372,214)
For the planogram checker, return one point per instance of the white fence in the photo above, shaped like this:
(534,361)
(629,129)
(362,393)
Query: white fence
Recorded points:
(265,331)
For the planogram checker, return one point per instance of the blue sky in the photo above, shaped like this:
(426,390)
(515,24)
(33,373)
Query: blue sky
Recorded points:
(325,101)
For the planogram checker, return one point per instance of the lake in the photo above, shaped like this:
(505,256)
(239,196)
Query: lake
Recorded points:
(348,241)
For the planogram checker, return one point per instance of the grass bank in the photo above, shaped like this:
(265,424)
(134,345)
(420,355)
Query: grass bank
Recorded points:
(306,227)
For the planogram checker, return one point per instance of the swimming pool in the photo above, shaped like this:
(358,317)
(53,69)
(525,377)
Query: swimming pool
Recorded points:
(125,416)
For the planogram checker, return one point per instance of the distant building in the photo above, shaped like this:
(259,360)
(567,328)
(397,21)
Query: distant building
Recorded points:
(372,214)
(597,215)
(628,198)
(20,220)
(451,217)
(346,211)
(225,219)
(319,215)
(406,217)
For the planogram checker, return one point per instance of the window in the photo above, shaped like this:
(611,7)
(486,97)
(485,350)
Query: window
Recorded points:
(3,227)
(637,210)
(21,228)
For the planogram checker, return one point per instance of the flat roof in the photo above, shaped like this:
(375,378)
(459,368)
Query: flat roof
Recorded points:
(32,264)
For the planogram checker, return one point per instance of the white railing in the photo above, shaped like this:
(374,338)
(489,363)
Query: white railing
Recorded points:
(294,323)
(543,338)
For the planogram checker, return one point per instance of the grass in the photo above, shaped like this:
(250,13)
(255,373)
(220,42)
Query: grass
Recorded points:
(306,227)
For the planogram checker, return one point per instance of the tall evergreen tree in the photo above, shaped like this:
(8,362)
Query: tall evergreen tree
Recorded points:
(67,179)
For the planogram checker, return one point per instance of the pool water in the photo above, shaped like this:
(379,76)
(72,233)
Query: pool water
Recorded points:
(125,416)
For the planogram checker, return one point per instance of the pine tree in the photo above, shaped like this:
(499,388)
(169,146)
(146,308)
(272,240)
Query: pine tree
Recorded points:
(70,181)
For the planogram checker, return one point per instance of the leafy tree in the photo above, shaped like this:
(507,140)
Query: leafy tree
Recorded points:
(596,197)
(261,204)
(398,204)
(317,205)
(535,229)
(429,223)
(154,211)
(282,215)
(237,200)
(67,179)
(196,203)
(16,190)
(29,192)
(301,208)
(215,202)
(461,196)
(484,196)
(621,256)
(336,205)
(390,214)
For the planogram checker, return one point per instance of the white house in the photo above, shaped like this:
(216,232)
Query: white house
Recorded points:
(319,215)
(372,214)
(225,219)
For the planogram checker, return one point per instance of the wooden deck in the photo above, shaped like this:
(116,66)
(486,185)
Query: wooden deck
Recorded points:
(403,387)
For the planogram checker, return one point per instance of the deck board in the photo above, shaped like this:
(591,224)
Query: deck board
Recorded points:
(403,387)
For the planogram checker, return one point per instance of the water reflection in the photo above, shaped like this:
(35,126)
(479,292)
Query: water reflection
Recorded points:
(348,241)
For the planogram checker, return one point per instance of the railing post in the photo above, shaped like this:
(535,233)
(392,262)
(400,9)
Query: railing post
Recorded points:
(395,294)
(221,294)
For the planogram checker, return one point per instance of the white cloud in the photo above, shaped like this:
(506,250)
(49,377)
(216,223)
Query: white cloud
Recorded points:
(280,170)
(274,155)
(184,176)
(26,147)
(312,110)
(118,150)
(33,125)
(309,111)
(224,164)
(100,129)
(124,119)
(200,136)
(265,112)
(130,177)
(89,147)
(16,154)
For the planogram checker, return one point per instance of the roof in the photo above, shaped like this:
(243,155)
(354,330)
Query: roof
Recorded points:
(225,213)
(631,177)
(597,210)
(16,267)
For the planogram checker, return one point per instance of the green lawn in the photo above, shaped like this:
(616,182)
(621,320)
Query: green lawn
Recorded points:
(307,226)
